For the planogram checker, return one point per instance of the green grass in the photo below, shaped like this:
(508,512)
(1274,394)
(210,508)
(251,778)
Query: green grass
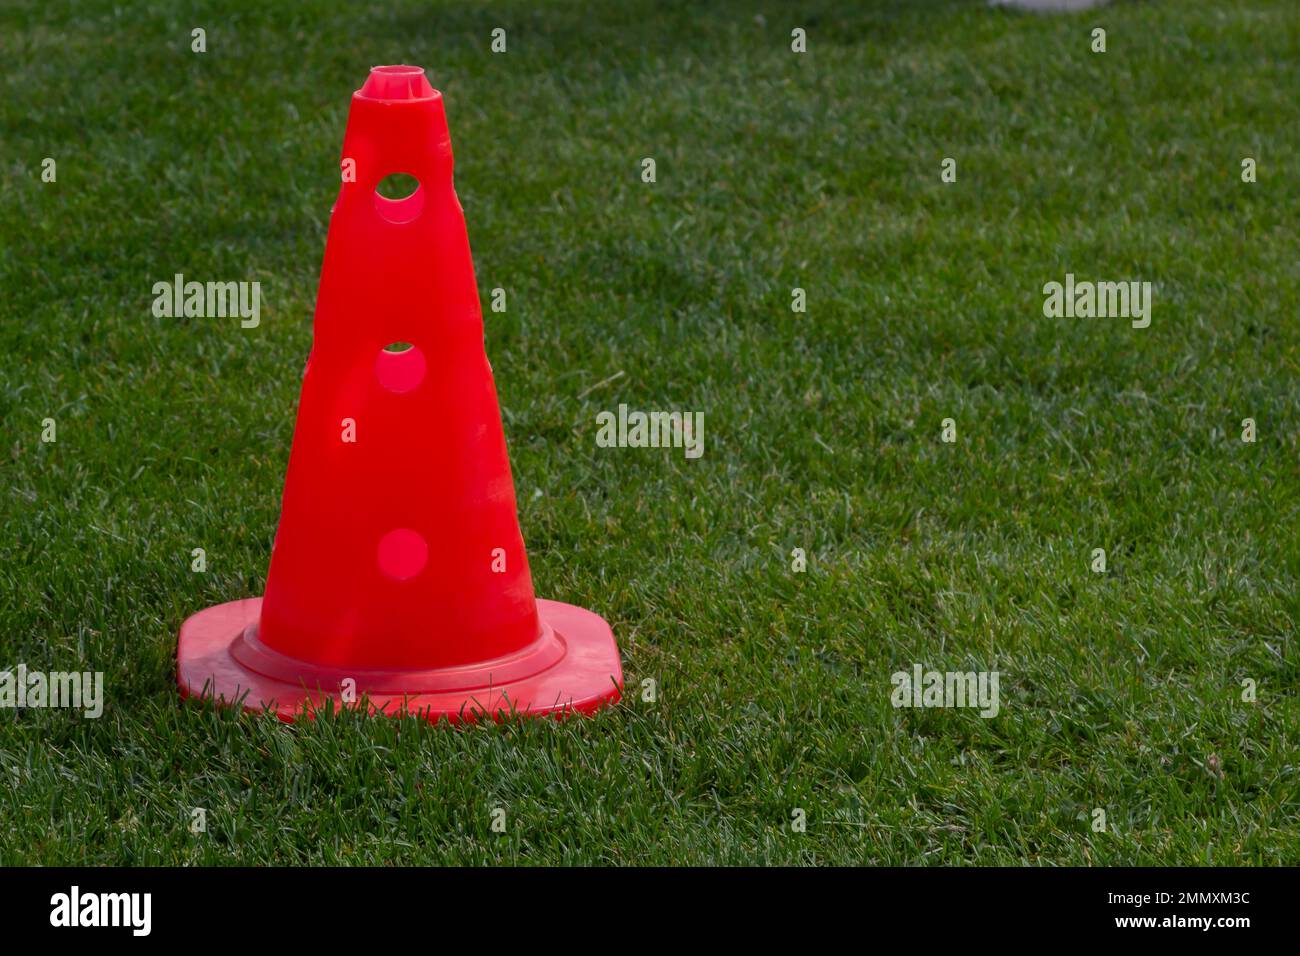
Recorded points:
(822,430)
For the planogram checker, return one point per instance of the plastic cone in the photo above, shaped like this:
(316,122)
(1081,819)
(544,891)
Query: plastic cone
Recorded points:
(399,572)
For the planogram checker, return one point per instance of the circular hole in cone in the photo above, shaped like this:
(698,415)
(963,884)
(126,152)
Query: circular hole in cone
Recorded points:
(399,197)
(400,367)
(402,554)
(397,186)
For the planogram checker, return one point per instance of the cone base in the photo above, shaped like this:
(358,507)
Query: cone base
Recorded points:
(588,676)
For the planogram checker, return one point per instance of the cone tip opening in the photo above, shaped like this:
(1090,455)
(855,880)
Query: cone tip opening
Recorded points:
(397,82)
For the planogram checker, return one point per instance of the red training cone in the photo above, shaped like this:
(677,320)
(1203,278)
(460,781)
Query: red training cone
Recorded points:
(398,570)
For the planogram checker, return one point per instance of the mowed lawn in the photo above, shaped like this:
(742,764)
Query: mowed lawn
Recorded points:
(1120,691)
